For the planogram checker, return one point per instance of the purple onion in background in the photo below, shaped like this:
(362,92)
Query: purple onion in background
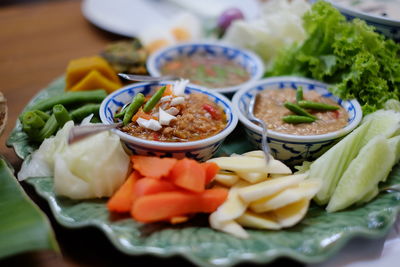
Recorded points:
(227,17)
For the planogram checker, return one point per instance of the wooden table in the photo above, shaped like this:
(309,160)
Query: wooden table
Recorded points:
(37,39)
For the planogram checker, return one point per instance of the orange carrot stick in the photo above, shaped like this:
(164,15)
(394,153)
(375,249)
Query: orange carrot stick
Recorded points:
(122,200)
(188,174)
(166,205)
(153,167)
(211,170)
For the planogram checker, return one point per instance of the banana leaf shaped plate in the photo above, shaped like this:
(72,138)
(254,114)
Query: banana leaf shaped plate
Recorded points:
(316,238)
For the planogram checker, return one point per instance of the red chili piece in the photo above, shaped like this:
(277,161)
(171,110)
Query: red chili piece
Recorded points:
(215,114)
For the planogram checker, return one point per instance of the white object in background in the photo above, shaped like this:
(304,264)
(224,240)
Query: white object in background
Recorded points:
(129,17)
(213,8)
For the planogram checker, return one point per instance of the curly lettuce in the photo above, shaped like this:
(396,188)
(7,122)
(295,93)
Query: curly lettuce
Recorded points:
(351,56)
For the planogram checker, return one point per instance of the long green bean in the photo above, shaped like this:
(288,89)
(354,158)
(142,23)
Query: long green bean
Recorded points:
(80,113)
(295,119)
(61,114)
(48,129)
(298,110)
(120,114)
(33,120)
(299,94)
(93,96)
(316,105)
(133,107)
(154,99)
(42,114)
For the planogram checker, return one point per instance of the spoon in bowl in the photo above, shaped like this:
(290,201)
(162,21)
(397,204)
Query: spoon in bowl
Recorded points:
(145,78)
(264,144)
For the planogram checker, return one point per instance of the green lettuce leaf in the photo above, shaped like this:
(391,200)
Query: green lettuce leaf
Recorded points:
(351,56)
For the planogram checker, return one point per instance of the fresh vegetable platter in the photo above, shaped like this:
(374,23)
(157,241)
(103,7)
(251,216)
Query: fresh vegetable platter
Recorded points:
(318,236)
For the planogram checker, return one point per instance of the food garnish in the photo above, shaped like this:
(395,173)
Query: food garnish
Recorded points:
(316,105)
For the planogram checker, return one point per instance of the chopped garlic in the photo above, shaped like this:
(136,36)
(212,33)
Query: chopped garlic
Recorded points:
(165,118)
(177,101)
(172,111)
(179,87)
(149,124)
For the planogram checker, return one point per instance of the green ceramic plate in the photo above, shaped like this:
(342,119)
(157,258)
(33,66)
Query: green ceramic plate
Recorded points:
(315,239)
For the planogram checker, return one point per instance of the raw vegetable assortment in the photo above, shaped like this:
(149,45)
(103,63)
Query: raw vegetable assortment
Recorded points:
(261,196)
(240,190)
(351,170)
(359,62)
(171,192)
(43,119)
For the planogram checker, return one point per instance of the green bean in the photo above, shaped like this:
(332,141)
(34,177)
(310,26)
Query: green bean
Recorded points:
(295,119)
(33,120)
(299,94)
(154,99)
(298,110)
(133,107)
(120,114)
(38,135)
(48,129)
(317,105)
(93,96)
(42,114)
(80,113)
(61,114)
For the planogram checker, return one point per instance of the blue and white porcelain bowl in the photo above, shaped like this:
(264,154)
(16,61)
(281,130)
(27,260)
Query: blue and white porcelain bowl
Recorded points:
(200,150)
(294,149)
(387,26)
(248,60)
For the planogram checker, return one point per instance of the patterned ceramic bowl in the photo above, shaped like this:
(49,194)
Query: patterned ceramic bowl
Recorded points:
(293,149)
(199,150)
(248,60)
(384,25)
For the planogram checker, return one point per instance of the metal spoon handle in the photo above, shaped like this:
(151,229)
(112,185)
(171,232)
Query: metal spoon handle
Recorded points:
(79,132)
(264,143)
(391,188)
(144,78)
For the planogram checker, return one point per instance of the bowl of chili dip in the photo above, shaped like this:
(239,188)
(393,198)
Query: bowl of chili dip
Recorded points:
(292,136)
(217,66)
(186,121)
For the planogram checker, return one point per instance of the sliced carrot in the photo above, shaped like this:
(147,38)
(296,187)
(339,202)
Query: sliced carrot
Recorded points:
(212,169)
(168,91)
(153,167)
(212,198)
(141,114)
(189,174)
(178,219)
(163,206)
(122,200)
(147,186)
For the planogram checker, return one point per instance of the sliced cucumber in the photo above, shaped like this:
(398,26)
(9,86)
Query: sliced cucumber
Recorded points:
(331,166)
(394,143)
(371,166)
